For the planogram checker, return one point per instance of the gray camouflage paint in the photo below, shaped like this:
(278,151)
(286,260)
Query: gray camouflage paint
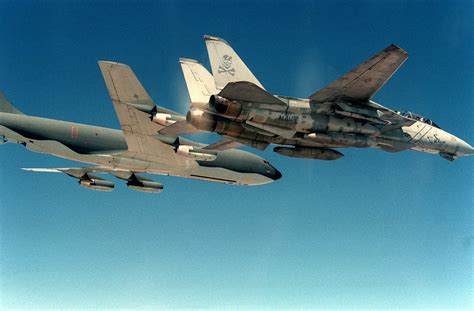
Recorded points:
(340,115)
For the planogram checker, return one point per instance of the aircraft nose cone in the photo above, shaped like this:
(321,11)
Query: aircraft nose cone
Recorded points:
(464,148)
(277,175)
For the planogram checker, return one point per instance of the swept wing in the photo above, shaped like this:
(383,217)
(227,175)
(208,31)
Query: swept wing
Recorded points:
(132,105)
(363,82)
(87,178)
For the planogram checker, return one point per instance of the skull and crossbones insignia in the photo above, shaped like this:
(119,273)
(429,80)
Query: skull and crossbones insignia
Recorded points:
(226,64)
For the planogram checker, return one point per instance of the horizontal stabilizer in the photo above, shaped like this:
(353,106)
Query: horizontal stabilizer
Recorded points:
(363,82)
(249,92)
(235,142)
(224,144)
(257,144)
(178,128)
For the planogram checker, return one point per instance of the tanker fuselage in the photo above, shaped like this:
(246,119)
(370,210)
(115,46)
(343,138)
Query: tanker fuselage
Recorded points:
(107,147)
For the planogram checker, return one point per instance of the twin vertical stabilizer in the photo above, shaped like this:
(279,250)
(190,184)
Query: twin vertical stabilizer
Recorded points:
(226,64)
(199,81)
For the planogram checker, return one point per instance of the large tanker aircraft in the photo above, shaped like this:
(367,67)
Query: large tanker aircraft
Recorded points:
(137,148)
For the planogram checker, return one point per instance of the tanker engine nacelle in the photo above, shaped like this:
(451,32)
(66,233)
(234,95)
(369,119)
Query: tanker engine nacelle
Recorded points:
(145,186)
(165,119)
(97,184)
(196,153)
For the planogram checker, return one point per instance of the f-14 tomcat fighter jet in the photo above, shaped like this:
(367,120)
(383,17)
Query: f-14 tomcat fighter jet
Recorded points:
(234,104)
(137,149)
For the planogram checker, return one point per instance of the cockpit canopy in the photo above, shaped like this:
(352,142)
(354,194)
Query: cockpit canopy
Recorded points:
(418,117)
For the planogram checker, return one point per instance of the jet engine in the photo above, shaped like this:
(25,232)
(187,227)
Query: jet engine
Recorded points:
(309,153)
(225,107)
(97,184)
(166,119)
(208,122)
(145,186)
(202,120)
(196,153)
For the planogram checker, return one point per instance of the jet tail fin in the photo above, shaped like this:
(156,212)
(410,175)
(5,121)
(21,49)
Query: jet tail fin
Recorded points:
(7,106)
(199,81)
(226,64)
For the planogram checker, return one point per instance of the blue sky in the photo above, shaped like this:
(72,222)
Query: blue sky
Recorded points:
(373,230)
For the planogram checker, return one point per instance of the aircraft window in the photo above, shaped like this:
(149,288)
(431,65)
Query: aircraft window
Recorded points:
(418,117)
